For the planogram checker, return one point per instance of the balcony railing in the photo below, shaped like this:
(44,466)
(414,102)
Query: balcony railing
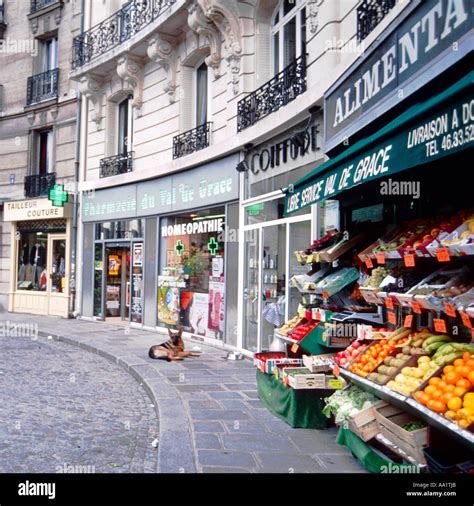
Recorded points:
(3,24)
(39,186)
(370,13)
(42,87)
(192,140)
(273,95)
(118,164)
(37,5)
(118,28)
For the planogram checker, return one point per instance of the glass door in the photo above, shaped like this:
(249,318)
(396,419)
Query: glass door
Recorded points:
(117,282)
(251,306)
(56,261)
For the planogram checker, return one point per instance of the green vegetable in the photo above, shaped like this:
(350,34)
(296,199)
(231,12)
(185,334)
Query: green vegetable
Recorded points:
(411,426)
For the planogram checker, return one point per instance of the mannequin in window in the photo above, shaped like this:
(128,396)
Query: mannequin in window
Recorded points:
(23,263)
(37,259)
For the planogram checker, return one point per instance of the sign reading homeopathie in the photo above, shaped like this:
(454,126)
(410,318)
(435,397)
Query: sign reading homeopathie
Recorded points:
(35,209)
(398,66)
(210,184)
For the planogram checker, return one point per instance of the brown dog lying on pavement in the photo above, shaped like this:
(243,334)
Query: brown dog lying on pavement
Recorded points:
(173,349)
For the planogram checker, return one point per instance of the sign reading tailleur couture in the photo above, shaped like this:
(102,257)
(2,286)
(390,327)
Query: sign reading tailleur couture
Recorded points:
(206,185)
(386,75)
(449,131)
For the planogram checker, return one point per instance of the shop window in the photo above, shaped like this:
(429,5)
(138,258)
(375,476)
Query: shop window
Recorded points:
(124,126)
(32,252)
(288,33)
(42,156)
(123,229)
(191,281)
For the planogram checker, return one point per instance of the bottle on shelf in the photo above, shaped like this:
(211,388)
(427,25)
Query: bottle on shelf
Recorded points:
(271,262)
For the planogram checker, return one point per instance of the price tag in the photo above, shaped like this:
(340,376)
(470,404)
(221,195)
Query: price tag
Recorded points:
(380,258)
(389,303)
(465,319)
(439,325)
(369,264)
(325,295)
(392,317)
(336,371)
(408,321)
(308,314)
(415,306)
(442,254)
(449,309)
(316,315)
(294,348)
(409,260)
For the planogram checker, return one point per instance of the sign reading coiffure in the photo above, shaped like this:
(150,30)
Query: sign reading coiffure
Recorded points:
(388,74)
(210,184)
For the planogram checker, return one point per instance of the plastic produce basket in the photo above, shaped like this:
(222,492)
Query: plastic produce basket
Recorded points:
(442,462)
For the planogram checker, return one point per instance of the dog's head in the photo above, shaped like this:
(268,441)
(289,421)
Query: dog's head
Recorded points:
(176,336)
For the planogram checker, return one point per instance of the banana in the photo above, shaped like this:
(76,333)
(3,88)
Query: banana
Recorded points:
(463,347)
(433,347)
(436,339)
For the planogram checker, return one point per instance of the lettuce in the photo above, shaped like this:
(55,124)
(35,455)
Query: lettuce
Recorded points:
(344,404)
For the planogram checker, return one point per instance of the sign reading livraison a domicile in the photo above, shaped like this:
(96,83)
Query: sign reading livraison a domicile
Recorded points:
(35,209)
(210,184)
(432,37)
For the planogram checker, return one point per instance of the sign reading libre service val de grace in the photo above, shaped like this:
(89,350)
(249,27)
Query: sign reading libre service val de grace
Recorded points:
(387,74)
(450,130)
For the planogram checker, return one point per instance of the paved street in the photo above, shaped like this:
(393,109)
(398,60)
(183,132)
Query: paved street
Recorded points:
(210,417)
(64,409)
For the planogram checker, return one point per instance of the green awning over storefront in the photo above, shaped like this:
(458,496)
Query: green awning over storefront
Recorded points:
(427,131)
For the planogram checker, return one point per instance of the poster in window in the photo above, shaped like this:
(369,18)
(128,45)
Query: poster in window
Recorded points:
(138,254)
(114,265)
(168,300)
(112,297)
(216,303)
(136,310)
(199,314)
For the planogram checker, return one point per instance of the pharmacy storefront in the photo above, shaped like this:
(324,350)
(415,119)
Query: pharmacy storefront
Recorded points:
(269,239)
(156,253)
(40,253)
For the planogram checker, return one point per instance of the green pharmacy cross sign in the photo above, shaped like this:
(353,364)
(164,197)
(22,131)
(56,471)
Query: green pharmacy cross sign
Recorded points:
(179,247)
(212,246)
(57,195)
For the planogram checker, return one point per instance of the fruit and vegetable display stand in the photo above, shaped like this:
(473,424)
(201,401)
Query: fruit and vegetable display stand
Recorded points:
(381,344)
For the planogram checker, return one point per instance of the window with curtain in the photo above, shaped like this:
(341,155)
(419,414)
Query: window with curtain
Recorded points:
(50,54)
(201,94)
(44,146)
(288,33)
(124,130)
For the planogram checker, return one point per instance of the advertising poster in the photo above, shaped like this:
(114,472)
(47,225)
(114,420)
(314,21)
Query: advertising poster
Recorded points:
(168,301)
(137,284)
(114,265)
(112,297)
(216,303)
(138,254)
(199,314)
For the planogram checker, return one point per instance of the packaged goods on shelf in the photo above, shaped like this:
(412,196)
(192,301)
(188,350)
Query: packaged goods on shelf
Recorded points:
(319,363)
(266,361)
(336,281)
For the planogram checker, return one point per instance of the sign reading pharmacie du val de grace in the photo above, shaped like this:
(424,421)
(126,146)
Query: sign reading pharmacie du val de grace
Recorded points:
(430,39)
(449,130)
(210,184)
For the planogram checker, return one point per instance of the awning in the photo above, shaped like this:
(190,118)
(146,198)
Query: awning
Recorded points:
(427,131)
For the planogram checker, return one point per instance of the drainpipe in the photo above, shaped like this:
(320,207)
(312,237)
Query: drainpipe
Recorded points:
(76,180)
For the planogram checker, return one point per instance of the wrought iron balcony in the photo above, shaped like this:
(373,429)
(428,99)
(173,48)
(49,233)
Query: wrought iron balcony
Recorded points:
(3,24)
(118,164)
(273,95)
(116,29)
(370,13)
(39,186)
(37,5)
(42,87)
(192,140)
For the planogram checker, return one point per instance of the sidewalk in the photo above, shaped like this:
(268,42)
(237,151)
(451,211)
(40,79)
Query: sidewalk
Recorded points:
(210,417)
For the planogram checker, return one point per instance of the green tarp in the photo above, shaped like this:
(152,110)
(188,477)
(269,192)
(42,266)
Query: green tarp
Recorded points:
(298,408)
(430,130)
(371,460)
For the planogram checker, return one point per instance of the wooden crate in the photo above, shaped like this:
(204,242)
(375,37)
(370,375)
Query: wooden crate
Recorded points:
(411,442)
(364,423)
(297,380)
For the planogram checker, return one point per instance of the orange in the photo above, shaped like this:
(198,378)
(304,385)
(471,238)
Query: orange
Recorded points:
(434,381)
(424,398)
(442,385)
(464,372)
(470,363)
(448,369)
(459,391)
(466,356)
(431,403)
(458,369)
(437,395)
(470,376)
(455,403)
(430,389)
(419,396)
(458,361)
(463,423)
(438,406)
(451,378)
(464,383)
(451,415)
(446,396)
(449,388)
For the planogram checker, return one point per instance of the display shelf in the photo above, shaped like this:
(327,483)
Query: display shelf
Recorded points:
(410,405)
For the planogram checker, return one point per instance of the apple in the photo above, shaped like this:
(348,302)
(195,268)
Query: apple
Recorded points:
(355,344)
(343,361)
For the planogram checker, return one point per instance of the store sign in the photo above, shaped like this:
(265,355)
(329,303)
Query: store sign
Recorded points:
(193,227)
(449,131)
(389,71)
(35,209)
(210,184)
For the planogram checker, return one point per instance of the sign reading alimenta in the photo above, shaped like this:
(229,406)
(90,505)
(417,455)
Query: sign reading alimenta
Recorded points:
(449,131)
(388,73)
